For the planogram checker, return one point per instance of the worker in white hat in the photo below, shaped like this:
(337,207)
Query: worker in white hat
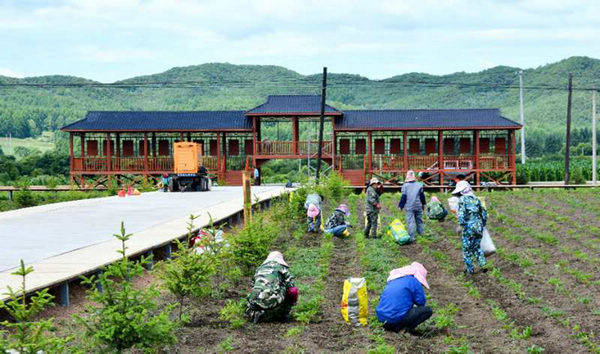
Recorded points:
(372,207)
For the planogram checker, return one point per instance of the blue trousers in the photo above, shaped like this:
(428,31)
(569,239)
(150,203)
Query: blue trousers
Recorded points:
(336,231)
(414,223)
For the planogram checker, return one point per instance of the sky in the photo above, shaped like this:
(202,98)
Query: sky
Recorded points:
(109,40)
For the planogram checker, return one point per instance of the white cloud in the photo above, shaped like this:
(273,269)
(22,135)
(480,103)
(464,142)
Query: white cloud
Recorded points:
(10,73)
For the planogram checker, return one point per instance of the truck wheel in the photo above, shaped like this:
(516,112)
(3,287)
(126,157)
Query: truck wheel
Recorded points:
(172,185)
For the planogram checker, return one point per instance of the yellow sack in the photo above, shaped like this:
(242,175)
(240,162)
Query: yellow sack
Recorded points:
(355,302)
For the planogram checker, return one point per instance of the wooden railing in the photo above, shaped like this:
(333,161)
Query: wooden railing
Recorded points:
(387,163)
(416,162)
(286,148)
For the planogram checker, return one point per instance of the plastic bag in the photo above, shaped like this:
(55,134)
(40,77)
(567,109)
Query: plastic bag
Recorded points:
(397,230)
(453,203)
(355,301)
(486,244)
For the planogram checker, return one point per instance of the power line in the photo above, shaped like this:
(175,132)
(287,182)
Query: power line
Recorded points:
(290,84)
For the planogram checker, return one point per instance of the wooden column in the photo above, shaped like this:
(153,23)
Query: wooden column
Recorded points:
(295,135)
(333,150)
(180,136)
(189,136)
(441,156)
(247,196)
(254,137)
(82,146)
(476,157)
(369,151)
(108,153)
(118,151)
(219,153)
(224,146)
(405,151)
(153,144)
(71,156)
(512,156)
(146,167)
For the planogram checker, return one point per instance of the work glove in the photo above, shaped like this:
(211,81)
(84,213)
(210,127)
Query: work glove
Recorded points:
(292,294)
(378,206)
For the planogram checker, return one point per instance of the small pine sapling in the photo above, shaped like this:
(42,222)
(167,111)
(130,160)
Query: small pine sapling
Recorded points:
(25,335)
(189,274)
(119,315)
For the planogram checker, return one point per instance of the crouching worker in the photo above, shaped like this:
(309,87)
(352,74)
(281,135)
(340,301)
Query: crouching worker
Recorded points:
(313,206)
(336,224)
(402,303)
(273,293)
(435,210)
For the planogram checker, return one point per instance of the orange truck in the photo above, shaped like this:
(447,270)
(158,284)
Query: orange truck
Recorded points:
(188,172)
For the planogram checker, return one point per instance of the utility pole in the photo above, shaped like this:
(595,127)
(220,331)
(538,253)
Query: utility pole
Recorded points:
(594,140)
(321,124)
(568,146)
(522,117)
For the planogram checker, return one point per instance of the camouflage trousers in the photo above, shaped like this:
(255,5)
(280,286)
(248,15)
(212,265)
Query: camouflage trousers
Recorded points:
(471,249)
(371,227)
(314,224)
(278,313)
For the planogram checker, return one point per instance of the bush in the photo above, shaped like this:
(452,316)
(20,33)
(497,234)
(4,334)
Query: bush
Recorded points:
(25,334)
(577,176)
(121,316)
(188,274)
(233,312)
(251,245)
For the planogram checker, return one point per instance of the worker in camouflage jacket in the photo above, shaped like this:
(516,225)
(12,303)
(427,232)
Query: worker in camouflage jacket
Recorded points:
(336,224)
(273,292)
(472,217)
(372,207)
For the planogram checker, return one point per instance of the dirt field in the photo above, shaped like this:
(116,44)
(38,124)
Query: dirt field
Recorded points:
(541,293)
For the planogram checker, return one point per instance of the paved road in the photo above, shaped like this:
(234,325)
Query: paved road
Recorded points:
(34,234)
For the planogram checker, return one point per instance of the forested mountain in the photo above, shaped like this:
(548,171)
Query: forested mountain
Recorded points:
(27,111)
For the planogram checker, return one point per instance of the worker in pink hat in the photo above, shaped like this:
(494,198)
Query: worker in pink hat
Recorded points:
(402,303)
(313,206)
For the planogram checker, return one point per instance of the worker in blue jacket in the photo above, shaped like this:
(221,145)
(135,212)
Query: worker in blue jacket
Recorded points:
(402,303)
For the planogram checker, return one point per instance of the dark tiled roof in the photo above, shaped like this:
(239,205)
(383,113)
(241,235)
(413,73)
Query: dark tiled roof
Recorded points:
(424,119)
(162,121)
(301,104)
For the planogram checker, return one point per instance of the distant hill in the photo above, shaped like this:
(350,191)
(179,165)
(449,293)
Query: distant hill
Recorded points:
(27,111)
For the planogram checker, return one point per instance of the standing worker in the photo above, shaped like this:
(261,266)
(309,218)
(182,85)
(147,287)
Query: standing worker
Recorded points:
(472,217)
(256,176)
(413,203)
(372,207)
(273,292)
(402,303)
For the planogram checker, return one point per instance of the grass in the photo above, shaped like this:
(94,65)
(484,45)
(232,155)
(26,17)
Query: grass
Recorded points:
(43,143)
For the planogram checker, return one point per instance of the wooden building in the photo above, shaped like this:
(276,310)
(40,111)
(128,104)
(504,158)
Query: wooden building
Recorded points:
(361,143)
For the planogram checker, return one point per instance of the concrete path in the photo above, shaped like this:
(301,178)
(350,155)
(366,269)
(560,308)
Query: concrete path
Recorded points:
(72,233)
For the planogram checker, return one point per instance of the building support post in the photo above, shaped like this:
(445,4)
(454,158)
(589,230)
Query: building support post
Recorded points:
(118,151)
(512,157)
(254,138)
(247,196)
(108,159)
(441,156)
(476,162)
(295,136)
(64,294)
(219,157)
(146,167)
(405,151)
(71,156)
(369,151)
(181,136)
(333,149)
(168,251)
(568,139)
(154,145)
(224,147)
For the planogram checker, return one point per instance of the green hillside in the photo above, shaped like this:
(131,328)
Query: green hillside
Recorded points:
(28,111)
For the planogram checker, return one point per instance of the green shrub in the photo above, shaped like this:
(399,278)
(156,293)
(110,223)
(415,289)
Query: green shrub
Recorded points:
(233,312)
(24,198)
(188,274)
(27,335)
(120,316)
(251,245)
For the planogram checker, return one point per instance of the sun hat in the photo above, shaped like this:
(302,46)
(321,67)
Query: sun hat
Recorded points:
(463,188)
(276,256)
(415,269)
(374,180)
(344,209)
(410,176)
(312,211)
